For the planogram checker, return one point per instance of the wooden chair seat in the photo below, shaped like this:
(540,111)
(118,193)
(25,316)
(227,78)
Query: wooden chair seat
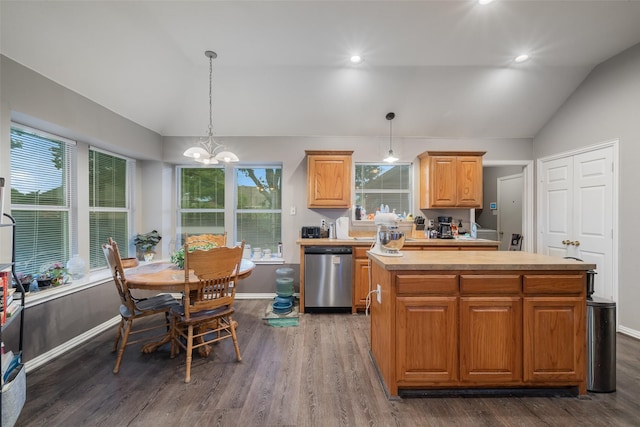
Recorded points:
(205,316)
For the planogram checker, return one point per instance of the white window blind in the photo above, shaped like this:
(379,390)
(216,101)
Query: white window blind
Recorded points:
(259,206)
(42,188)
(109,204)
(385,184)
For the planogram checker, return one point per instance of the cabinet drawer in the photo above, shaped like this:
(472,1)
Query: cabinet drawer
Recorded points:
(568,284)
(414,284)
(490,284)
(360,251)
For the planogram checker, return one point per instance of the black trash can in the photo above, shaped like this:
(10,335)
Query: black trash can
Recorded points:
(601,345)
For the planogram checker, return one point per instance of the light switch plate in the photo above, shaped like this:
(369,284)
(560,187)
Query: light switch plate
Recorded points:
(379,294)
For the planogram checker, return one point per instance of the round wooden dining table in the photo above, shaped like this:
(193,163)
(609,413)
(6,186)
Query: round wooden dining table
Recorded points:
(165,276)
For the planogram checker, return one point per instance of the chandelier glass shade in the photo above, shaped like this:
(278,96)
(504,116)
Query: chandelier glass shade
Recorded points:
(391,157)
(209,151)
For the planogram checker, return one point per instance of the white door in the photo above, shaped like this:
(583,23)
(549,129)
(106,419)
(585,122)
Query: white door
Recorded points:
(510,194)
(577,212)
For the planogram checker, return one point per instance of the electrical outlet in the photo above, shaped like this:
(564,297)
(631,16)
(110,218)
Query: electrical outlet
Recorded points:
(379,294)
(323,223)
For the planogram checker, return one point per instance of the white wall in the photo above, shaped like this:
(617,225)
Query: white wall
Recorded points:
(606,106)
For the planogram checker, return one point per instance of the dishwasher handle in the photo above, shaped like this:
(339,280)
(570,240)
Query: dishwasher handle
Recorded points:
(328,250)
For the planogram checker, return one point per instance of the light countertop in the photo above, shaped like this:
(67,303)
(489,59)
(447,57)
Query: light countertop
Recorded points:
(477,260)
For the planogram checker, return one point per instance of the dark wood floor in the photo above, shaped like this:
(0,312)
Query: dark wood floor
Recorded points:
(316,374)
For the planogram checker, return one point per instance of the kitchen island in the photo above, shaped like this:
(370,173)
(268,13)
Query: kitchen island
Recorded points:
(478,320)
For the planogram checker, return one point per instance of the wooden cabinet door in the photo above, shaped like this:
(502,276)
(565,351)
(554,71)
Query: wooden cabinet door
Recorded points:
(442,181)
(328,179)
(450,179)
(361,283)
(491,339)
(427,339)
(554,339)
(469,181)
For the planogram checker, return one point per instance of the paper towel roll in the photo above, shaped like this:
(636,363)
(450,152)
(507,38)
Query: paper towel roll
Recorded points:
(342,228)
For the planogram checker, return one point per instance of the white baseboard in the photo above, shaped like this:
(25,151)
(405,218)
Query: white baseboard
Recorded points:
(248,295)
(44,358)
(628,331)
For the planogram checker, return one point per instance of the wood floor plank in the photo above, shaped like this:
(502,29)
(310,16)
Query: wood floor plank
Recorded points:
(316,374)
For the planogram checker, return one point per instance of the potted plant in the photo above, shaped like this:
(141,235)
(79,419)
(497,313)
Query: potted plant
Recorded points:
(146,244)
(54,274)
(178,257)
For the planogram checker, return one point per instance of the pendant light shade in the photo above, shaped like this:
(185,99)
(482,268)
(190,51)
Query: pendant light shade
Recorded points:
(391,157)
(208,151)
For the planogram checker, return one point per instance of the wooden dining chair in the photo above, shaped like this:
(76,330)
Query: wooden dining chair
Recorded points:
(217,239)
(205,317)
(516,242)
(132,308)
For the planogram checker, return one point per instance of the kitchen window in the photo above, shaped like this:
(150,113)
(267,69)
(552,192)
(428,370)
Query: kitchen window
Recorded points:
(201,203)
(109,203)
(259,206)
(42,191)
(383,184)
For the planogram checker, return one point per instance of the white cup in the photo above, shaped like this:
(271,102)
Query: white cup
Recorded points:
(257,253)
(266,254)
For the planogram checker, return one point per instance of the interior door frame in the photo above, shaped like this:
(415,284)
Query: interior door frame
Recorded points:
(528,244)
(614,144)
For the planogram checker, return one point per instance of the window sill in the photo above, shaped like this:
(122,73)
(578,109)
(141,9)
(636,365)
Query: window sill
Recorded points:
(271,261)
(94,278)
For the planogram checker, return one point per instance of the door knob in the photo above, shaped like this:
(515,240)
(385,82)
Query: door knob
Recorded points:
(577,243)
(566,242)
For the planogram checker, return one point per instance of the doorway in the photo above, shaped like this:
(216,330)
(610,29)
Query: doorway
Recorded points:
(488,217)
(510,196)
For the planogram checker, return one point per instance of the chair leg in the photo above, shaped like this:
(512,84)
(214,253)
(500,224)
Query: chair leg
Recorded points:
(175,336)
(189,353)
(118,335)
(123,345)
(233,325)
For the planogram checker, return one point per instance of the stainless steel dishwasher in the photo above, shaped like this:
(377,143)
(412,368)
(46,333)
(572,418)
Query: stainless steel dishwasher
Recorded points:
(327,277)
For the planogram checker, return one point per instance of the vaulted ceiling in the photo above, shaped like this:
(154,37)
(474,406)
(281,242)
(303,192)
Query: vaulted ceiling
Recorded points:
(444,67)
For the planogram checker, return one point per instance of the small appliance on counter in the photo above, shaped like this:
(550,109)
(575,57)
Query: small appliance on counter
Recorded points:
(444,227)
(389,240)
(311,232)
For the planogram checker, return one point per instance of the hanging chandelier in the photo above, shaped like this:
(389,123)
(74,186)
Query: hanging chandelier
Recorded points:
(208,151)
(391,157)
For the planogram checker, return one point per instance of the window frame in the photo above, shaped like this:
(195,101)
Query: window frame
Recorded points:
(128,209)
(408,191)
(69,183)
(237,211)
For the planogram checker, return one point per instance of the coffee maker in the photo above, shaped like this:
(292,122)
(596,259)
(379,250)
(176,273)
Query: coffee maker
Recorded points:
(444,227)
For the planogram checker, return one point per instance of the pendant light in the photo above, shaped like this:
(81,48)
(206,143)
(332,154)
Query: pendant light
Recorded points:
(391,157)
(208,151)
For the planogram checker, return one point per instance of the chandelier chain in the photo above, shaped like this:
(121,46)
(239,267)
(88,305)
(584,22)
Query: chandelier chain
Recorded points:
(210,96)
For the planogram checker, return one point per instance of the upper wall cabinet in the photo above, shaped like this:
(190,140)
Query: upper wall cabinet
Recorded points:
(328,179)
(451,179)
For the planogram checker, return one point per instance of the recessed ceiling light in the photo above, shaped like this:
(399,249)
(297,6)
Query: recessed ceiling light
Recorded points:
(522,58)
(356,59)
(484,1)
